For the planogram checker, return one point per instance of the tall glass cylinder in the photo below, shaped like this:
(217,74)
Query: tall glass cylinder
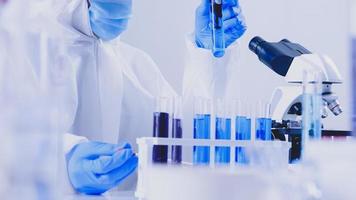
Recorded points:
(311,107)
(263,121)
(160,129)
(222,130)
(218,47)
(177,131)
(242,128)
(353,44)
(202,119)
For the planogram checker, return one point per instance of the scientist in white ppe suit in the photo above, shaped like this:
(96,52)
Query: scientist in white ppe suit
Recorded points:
(115,85)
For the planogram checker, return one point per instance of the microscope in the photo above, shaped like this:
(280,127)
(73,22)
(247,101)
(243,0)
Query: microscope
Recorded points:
(291,60)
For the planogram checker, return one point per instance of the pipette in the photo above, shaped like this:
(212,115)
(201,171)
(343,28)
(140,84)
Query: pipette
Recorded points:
(218,48)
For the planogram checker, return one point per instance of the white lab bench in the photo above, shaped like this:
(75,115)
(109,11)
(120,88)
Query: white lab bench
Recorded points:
(114,195)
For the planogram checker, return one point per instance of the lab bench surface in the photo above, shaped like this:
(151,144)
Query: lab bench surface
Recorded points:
(116,195)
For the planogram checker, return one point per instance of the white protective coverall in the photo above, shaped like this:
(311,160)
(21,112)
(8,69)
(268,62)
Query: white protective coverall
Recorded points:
(115,85)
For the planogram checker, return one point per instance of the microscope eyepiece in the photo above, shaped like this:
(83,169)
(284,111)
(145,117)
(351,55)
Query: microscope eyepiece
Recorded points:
(255,43)
(278,56)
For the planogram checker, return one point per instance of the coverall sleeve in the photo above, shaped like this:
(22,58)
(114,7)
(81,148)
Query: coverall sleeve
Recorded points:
(74,16)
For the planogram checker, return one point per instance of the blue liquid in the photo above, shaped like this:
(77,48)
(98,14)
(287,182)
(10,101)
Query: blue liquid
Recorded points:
(311,126)
(160,129)
(243,128)
(222,132)
(311,121)
(177,133)
(201,154)
(243,132)
(218,31)
(263,129)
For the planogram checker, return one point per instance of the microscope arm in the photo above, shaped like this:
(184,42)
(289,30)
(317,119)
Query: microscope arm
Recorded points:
(282,99)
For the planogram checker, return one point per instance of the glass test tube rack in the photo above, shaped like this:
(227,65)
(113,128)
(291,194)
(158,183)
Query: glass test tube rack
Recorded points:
(259,153)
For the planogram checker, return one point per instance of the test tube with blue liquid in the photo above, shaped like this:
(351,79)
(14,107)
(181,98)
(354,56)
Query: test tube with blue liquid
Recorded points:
(161,129)
(222,130)
(202,117)
(311,107)
(177,131)
(263,121)
(242,129)
(218,48)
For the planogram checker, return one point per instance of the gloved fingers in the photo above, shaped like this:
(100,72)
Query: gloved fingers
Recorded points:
(114,10)
(205,3)
(92,149)
(231,8)
(116,176)
(234,24)
(229,13)
(91,190)
(234,34)
(130,167)
(234,29)
(105,164)
(202,10)
(229,40)
(226,3)
(124,145)
(230,3)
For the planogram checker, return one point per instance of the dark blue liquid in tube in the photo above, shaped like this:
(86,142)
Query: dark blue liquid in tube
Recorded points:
(218,29)
(222,132)
(177,133)
(160,129)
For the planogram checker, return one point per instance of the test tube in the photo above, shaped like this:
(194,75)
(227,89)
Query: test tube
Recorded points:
(177,131)
(218,48)
(311,106)
(242,129)
(222,130)
(263,121)
(160,129)
(202,117)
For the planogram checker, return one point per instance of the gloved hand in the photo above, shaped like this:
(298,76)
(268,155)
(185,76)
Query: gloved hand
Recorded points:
(95,167)
(234,23)
(109,18)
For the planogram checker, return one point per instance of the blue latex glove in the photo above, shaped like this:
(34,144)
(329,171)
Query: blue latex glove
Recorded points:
(109,18)
(234,23)
(95,167)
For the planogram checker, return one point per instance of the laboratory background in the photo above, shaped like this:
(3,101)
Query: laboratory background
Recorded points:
(105,117)
(321,26)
